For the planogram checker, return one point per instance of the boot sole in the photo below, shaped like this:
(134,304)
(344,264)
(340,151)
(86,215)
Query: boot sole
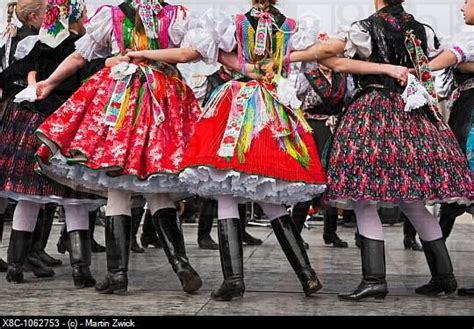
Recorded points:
(378,297)
(190,282)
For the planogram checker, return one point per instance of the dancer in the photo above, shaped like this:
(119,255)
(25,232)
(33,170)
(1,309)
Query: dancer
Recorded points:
(62,26)
(380,148)
(461,119)
(134,109)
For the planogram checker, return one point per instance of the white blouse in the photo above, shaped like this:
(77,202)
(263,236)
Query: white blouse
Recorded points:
(359,41)
(216,31)
(463,45)
(100,41)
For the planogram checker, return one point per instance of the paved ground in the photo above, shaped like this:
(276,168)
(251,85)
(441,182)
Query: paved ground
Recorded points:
(272,287)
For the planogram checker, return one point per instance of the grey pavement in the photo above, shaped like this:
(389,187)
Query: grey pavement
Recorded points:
(271,286)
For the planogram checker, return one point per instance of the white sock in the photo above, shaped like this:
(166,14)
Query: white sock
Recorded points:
(77,218)
(425,224)
(273,211)
(368,220)
(25,216)
(118,203)
(227,207)
(157,201)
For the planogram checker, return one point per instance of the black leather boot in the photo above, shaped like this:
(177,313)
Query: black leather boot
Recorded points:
(20,243)
(448,215)
(149,236)
(63,242)
(118,232)
(299,214)
(330,227)
(206,219)
(80,256)
(373,271)
(292,245)
(409,235)
(468,292)
(442,277)
(248,240)
(137,214)
(167,226)
(232,260)
(41,236)
(357,239)
(3,264)
(95,247)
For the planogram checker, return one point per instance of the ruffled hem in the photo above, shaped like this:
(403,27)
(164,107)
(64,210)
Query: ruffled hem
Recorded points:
(348,203)
(210,182)
(90,204)
(86,179)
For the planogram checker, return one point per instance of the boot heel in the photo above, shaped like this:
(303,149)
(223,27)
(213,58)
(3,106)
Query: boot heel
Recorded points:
(381,296)
(79,283)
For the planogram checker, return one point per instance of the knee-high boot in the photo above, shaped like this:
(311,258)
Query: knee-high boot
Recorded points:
(292,245)
(40,245)
(232,259)
(80,256)
(33,261)
(373,271)
(20,243)
(3,265)
(149,236)
(330,227)
(95,247)
(248,240)
(409,235)
(442,277)
(118,231)
(448,215)
(206,219)
(63,241)
(137,214)
(171,236)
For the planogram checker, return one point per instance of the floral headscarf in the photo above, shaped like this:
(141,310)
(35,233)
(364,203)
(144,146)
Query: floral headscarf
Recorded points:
(59,13)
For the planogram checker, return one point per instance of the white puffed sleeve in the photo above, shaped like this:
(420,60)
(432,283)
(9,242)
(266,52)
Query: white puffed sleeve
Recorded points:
(434,49)
(210,32)
(99,41)
(358,40)
(463,45)
(307,33)
(180,26)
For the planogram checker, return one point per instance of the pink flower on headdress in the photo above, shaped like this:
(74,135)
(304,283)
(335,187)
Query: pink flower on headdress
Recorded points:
(61,2)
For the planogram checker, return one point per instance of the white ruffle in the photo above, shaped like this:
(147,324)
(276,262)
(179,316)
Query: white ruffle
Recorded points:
(415,95)
(90,204)
(287,92)
(210,32)
(99,40)
(211,182)
(465,40)
(430,38)
(179,27)
(358,41)
(25,46)
(307,34)
(82,178)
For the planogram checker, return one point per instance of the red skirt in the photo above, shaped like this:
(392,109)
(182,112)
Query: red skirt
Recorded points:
(266,172)
(138,154)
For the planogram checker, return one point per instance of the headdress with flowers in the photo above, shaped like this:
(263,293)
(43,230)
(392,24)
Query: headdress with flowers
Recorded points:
(59,13)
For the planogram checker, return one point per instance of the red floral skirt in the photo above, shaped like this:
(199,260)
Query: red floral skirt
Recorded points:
(265,173)
(138,154)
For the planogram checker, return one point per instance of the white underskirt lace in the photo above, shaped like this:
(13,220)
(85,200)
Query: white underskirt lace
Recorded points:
(85,179)
(211,182)
(90,204)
